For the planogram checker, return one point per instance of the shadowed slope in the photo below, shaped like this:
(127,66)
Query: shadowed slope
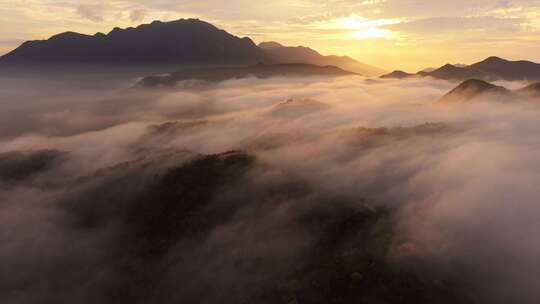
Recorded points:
(471,89)
(397,75)
(184,41)
(180,41)
(288,54)
(262,71)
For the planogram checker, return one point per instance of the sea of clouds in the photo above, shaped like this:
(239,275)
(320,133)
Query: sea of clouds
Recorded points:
(462,179)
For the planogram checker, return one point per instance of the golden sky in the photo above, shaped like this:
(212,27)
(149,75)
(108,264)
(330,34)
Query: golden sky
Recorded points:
(392,34)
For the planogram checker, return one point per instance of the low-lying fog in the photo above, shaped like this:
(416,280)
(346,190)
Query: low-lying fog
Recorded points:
(461,179)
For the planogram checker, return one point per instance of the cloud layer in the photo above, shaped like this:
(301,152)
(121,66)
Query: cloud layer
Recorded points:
(460,180)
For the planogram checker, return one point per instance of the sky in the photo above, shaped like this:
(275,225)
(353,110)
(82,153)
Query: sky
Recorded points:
(391,34)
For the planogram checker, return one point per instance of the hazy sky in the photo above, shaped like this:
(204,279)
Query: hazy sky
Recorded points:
(405,34)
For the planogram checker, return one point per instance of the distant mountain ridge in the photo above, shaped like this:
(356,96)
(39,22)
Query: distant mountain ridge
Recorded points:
(491,69)
(261,71)
(289,54)
(184,41)
(397,74)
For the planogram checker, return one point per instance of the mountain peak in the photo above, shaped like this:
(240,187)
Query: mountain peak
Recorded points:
(476,84)
(448,66)
(183,41)
(494,59)
(491,69)
(115,30)
(397,74)
(453,72)
(471,89)
(69,35)
(270,45)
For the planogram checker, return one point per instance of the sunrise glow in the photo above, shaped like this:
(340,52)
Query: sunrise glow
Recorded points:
(269,152)
(379,32)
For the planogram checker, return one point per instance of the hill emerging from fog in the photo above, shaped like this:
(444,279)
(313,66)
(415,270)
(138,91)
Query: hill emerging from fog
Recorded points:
(261,71)
(471,89)
(397,74)
(490,69)
(474,89)
(184,41)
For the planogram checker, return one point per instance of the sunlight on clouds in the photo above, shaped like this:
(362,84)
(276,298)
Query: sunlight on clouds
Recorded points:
(371,2)
(364,28)
(356,22)
(372,33)
(378,32)
(357,27)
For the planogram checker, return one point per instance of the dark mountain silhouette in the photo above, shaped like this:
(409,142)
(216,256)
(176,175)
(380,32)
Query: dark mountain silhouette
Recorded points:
(182,41)
(288,54)
(490,69)
(473,88)
(185,41)
(262,71)
(397,75)
(269,45)
(499,68)
(446,72)
(452,72)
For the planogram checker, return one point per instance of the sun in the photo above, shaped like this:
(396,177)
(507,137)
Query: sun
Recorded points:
(362,28)
(372,33)
(353,23)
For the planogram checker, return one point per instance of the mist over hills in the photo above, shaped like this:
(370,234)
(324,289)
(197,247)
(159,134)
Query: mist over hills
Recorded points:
(260,71)
(532,90)
(491,69)
(472,89)
(258,190)
(397,74)
(248,177)
(184,41)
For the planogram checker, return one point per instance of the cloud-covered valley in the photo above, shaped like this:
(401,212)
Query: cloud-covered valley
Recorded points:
(266,191)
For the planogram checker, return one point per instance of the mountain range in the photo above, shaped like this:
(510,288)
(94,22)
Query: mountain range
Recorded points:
(261,71)
(193,42)
(182,42)
(490,69)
